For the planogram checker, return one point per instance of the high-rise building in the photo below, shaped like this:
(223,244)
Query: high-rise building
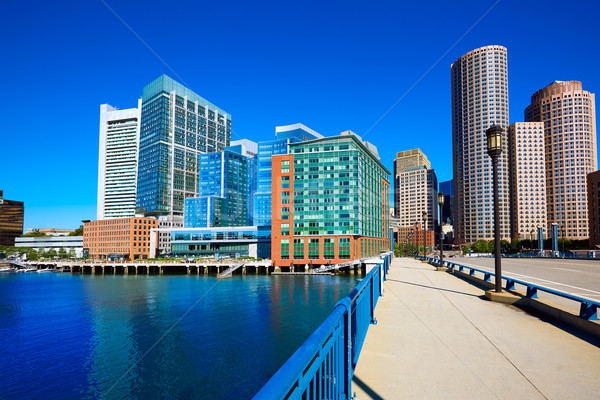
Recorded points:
(223,191)
(569,116)
(284,137)
(330,202)
(117,161)
(415,189)
(176,126)
(593,193)
(528,178)
(447,187)
(249,149)
(479,100)
(11,220)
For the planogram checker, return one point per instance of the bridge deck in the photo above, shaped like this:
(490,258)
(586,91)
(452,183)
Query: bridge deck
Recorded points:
(438,338)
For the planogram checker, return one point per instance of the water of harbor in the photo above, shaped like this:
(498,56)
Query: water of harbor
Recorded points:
(149,337)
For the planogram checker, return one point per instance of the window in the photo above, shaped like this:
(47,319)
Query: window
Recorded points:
(285,167)
(298,248)
(313,249)
(285,182)
(285,249)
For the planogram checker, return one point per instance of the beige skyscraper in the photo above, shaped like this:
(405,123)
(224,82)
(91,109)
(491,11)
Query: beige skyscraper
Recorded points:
(528,178)
(415,189)
(569,116)
(479,100)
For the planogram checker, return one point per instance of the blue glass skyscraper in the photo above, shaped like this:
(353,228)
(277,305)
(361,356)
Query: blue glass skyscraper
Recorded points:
(176,126)
(285,135)
(222,191)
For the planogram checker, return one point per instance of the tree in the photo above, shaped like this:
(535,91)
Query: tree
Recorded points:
(51,253)
(72,253)
(62,253)
(77,232)
(34,234)
(480,246)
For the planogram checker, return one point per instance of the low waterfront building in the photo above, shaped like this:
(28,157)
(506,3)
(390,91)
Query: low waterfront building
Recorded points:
(11,220)
(331,200)
(162,235)
(231,242)
(72,245)
(118,238)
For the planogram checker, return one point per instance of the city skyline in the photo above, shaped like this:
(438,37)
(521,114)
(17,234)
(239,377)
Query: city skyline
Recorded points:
(341,78)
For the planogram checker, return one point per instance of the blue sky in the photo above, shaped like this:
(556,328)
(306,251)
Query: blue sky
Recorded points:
(330,65)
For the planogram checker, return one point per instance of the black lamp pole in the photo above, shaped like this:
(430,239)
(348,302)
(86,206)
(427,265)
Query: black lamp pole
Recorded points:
(441,204)
(494,145)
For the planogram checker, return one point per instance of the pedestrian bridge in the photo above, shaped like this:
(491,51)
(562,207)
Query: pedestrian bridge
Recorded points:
(438,337)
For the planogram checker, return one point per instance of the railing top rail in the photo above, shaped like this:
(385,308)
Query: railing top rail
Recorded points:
(528,284)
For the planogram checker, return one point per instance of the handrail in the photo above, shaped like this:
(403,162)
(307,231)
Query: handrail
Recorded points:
(588,307)
(323,366)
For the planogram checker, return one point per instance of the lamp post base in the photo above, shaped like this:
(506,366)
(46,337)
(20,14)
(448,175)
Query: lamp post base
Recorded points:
(501,297)
(440,268)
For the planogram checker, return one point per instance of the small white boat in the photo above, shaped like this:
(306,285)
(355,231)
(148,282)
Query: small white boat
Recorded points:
(39,271)
(6,269)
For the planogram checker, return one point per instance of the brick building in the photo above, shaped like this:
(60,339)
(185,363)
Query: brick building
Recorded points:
(126,238)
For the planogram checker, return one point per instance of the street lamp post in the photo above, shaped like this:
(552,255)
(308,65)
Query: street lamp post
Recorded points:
(441,204)
(424,230)
(563,244)
(531,232)
(494,145)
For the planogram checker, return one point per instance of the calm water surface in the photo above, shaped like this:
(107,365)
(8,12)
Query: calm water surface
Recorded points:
(84,336)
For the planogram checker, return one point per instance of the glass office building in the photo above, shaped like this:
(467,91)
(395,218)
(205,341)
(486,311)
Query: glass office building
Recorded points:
(331,201)
(176,126)
(285,136)
(234,242)
(11,220)
(222,191)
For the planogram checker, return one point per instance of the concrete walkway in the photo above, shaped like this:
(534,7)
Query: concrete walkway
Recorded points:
(438,338)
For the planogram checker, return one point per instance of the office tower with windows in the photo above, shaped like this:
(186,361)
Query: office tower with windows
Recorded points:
(569,116)
(223,190)
(527,178)
(11,220)
(331,201)
(415,189)
(284,137)
(177,125)
(117,161)
(249,149)
(479,100)
(447,187)
(593,189)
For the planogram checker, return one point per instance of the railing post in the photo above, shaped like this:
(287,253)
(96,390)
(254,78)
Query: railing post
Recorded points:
(348,343)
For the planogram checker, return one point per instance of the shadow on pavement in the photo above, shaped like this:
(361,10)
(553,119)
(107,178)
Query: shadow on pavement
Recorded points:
(367,389)
(436,288)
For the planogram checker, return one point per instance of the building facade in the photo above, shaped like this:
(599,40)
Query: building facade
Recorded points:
(593,194)
(569,116)
(230,242)
(11,220)
(117,161)
(479,100)
(72,245)
(176,126)
(447,187)
(330,202)
(120,238)
(415,189)
(222,193)
(285,136)
(528,178)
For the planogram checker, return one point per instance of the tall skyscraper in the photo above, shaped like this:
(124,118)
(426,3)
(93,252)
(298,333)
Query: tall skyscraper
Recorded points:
(447,187)
(479,100)
(415,189)
(528,178)
(11,220)
(176,126)
(569,116)
(117,161)
(284,136)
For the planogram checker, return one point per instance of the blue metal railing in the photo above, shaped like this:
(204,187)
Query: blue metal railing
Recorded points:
(323,366)
(588,308)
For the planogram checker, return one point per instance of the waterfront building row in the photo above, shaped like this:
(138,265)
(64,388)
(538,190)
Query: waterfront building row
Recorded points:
(73,245)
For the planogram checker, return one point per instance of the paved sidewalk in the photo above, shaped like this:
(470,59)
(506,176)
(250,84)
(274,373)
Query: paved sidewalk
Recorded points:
(438,338)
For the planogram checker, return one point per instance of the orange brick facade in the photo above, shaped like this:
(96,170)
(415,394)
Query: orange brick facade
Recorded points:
(360,246)
(129,237)
(414,234)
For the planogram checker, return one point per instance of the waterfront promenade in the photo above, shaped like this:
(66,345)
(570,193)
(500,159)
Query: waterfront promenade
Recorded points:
(438,338)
